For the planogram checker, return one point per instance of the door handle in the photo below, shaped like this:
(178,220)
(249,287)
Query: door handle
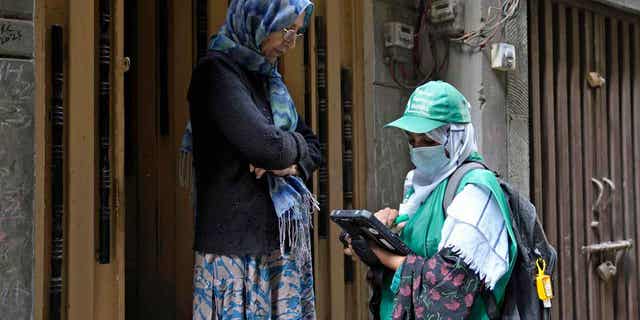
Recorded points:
(601,202)
(611,253)
(595,207)
(600,186)
(612,190)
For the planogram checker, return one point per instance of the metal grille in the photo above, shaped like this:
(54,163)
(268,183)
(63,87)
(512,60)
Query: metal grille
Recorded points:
(586,150)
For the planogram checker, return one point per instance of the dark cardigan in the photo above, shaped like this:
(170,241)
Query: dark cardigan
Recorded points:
(232,128)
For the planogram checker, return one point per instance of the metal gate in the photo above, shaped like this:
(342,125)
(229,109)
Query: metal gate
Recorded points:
(585,104)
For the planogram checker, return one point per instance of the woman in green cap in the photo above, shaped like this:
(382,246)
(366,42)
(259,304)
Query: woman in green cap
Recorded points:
(462,254)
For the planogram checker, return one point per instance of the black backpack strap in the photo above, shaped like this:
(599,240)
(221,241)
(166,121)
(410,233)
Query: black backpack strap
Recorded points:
(490,304)
(454,181)
(375,276)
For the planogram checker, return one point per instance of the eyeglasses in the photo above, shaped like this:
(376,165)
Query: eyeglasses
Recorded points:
(290,35)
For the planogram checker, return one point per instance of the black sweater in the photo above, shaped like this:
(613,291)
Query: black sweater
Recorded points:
(232,128)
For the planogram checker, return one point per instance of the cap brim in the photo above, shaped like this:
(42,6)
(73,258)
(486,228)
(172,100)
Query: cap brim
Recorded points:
(416,124)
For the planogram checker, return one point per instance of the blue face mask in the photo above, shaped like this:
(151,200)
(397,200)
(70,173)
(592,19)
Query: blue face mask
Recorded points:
(430,161)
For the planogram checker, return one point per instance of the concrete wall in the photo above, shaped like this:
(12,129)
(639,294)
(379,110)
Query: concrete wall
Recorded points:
(387,148)
(500,105)
(628,5)
(16,159)
(499,100)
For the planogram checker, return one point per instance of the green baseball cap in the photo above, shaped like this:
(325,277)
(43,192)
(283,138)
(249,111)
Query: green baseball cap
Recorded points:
(432,105)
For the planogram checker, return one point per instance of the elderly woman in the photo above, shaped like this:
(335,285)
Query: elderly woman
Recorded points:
(464,254)
(251,154)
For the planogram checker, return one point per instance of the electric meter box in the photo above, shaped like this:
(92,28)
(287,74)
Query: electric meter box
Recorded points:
(398,42)
(503,57)
(447,17)
(442,11)
(398,34)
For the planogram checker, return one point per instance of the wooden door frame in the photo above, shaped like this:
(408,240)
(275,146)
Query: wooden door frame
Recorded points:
(94,291)
(91,291)
(42,229)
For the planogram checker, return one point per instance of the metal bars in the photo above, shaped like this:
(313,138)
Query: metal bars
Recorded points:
(56,284)
(104,105)
(323,126)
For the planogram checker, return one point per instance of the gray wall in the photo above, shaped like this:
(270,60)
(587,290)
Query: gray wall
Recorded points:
(499,100)
(16,159)
(387,148)
(500,105)
(629,5)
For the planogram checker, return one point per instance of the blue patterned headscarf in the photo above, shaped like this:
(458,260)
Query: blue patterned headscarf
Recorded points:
(248,24)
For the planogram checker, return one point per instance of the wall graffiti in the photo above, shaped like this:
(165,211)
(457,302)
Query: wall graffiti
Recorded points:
(16,94)
(17,178)
(16,183)
(9,32)
(16,38)
(14,294)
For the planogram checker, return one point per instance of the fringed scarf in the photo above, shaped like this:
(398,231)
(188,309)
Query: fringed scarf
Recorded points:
(248,23)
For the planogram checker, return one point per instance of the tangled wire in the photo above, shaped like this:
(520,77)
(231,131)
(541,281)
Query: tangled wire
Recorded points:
(398,70)
(489,29)
(479,39)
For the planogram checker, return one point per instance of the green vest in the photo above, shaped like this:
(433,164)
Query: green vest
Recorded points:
(423,232)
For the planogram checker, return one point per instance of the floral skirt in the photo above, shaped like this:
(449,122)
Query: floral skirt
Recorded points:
(252,287)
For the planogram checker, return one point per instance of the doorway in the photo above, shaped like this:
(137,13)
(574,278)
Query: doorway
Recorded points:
(159,219)
(163,39)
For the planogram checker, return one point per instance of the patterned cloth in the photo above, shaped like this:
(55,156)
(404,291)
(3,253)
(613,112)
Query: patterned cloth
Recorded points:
(252,287)
(442,287)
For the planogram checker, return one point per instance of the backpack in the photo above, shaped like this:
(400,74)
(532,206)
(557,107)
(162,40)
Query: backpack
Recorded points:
(521,298)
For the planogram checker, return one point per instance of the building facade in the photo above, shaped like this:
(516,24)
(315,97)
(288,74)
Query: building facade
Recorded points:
(94,222)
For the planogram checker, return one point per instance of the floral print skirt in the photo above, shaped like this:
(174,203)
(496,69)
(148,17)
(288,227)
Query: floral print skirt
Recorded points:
(272,286)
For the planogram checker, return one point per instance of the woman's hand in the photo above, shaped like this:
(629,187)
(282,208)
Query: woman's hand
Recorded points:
(390,260)
(348,250)
(388,217)
(387,258)
(259,172)
(291,171)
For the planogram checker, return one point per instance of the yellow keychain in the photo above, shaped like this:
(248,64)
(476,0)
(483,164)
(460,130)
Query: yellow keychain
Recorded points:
(543,284)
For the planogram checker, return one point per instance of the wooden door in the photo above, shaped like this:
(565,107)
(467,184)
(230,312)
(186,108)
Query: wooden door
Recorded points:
(159,226)
(586,150)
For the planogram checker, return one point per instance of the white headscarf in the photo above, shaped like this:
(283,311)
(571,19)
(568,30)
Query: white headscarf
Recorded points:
(459,140)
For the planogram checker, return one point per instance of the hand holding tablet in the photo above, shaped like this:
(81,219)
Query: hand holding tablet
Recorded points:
(363,225)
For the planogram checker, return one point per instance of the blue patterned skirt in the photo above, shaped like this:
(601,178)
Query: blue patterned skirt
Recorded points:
(252,287)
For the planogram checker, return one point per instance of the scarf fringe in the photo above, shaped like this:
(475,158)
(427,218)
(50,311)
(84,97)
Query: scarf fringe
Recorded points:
(490,280)
(295,229)
(185,169)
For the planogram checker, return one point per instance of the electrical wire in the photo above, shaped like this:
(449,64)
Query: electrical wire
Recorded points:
(421,28)
(480,38)
(487,32)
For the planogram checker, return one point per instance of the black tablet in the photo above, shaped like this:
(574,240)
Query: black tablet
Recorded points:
(362,223)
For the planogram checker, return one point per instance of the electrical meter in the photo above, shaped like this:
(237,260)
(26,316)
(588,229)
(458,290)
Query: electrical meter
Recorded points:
(398,34)
(442,11)
(503,57)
